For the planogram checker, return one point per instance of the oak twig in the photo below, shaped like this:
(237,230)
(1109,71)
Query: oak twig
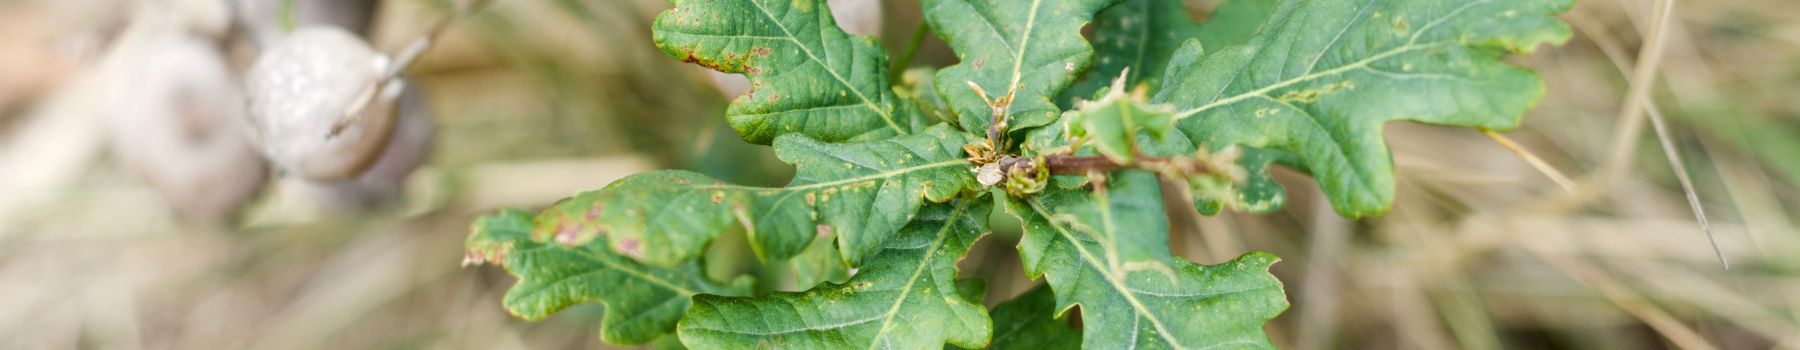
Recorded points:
(1080,165)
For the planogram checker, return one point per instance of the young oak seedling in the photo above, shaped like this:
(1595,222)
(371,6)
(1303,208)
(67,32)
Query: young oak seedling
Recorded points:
(901,196)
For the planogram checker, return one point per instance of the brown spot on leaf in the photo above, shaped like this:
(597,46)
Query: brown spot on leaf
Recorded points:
(689,57)
(630,247)
(824,230)
(567,234)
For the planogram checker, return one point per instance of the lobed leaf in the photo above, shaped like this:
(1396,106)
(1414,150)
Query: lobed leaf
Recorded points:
(860,192)
(1107,251)
(907,297)
(806,75)
(1320,78)
(1031,48)
(642,302)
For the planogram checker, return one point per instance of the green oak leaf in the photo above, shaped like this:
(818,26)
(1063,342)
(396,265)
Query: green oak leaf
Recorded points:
(860,192)
(1115,264)
(1134,39)
(1031,48)
(1320,78)
(905,298)
(642,302)
(1029,322)
(806,75)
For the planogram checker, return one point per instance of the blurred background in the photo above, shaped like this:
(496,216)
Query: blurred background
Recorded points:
(135,212)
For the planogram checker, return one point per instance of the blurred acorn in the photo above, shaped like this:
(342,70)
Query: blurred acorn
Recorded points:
(175,117)
(323,109)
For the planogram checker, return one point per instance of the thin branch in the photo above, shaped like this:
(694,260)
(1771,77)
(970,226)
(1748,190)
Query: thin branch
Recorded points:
(1080,165)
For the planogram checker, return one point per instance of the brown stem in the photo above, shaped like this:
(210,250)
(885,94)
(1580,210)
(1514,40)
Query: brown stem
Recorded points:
(1078,165)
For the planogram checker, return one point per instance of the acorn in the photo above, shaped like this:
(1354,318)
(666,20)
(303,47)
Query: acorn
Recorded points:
(325,107)
(175,117)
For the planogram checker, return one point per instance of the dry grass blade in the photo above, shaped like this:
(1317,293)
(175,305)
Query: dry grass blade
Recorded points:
(1631,118)
(1637,99)
(1532,159)
(1687,185)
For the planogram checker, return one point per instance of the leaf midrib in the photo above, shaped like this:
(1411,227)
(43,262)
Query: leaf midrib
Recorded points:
(1125,291)
(924,261)
(885,115)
